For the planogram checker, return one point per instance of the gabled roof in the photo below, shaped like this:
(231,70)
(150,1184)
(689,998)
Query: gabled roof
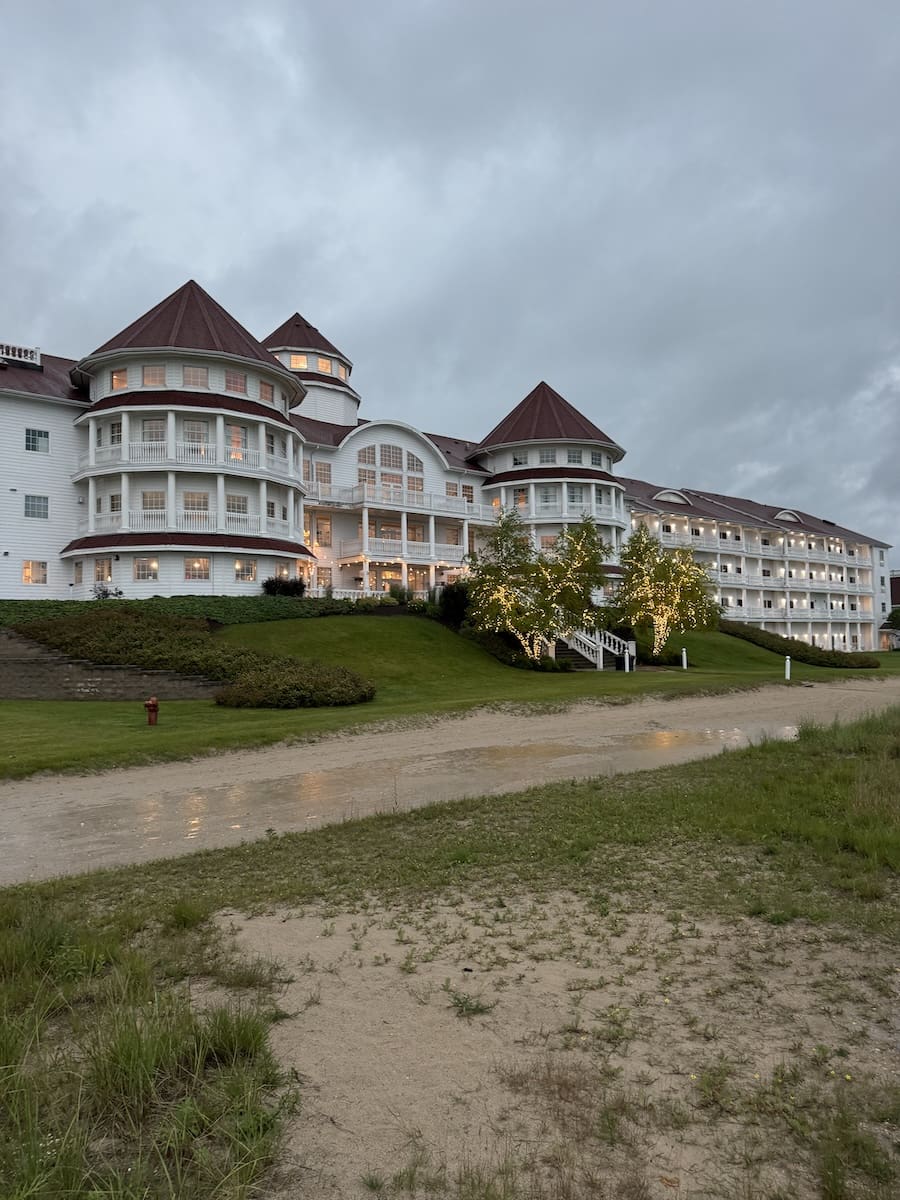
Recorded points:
(297,334)
(189,319)
(52,379)
(541,417)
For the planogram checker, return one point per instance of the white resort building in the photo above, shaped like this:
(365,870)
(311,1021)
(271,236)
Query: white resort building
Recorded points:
(185,456)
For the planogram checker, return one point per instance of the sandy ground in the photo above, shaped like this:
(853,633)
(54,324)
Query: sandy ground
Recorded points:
(561,1051)
(67,824)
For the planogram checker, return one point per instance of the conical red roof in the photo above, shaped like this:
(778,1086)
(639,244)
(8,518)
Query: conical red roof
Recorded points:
(544,416)
(191,320)
(297,334)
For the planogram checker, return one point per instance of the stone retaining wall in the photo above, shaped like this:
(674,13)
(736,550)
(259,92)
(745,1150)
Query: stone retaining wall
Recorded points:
(32,672)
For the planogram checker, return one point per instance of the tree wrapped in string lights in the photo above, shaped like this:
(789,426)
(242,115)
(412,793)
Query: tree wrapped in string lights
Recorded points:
(534,595)
(663,588)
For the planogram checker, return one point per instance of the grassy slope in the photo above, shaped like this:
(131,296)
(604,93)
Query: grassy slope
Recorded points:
(419,667)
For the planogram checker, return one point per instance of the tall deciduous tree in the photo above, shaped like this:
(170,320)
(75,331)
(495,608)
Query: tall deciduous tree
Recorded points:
(663,588)
(536,596)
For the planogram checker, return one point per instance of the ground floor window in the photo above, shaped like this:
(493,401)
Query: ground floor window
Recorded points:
(34,571)
(245,570)
(146,568)
(102,570)
(323,577)
(78,572)
(196,568)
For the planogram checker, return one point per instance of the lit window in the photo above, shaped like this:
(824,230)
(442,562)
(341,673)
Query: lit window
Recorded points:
(154,376)
(547,456)
(298,362)
(266,392)
(365,475)
(236,438)
(153,430)
(520,497)
(78,572)
(596,458)
(413,462)
(323,531)
(33,571)
(115,502)
(520,458)
(196,568)
(391,457)
(323,365)
(245,570)
(573,456)
(153,501)
(196,501)
(415,483)
(235,503)
(37,440)
(118,379)
(37,506)
(342,371)
(115,433)
(452,489)
(323,472)
(235,381)
(146,568)
(323,577)
(548,541)
(366,455)
(195,377)
(102,570)
(468,491)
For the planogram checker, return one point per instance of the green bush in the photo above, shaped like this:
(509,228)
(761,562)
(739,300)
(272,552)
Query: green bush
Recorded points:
(299,684)
(276,586)
(125,634)
(226,610)
(799,651)
(453,604)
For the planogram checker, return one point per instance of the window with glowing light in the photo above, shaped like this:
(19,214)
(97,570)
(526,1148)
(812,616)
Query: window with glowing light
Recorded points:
(323,577)
(468,492)
(298,362)
(118,379)
(342,371)
(520,497)
(154,376)
(235,381)
(34,571)
(146,568)
(102,570)
(196,568)
(236,442)
(323,366)
(266,392)
(195,377)
(415,483)
(245,570)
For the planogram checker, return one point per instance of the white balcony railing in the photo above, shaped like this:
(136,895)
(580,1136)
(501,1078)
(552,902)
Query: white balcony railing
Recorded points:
(396,550)
(365,495)
(147,518)
(197,454)
(195,519)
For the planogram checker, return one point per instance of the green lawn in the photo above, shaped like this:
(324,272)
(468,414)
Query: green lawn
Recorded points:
(419,667)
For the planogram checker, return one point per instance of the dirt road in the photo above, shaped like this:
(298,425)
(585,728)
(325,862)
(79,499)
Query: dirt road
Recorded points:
(65,824)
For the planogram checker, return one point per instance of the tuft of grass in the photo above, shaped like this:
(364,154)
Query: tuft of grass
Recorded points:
(467,1005)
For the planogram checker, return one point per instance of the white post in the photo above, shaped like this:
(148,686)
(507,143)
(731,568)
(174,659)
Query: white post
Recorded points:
(787,668)
(627,667)
(683,658)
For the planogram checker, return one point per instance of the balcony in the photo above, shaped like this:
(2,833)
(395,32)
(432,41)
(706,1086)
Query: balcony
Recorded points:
(331,495)
(187,520)
(193,454)
(394,550)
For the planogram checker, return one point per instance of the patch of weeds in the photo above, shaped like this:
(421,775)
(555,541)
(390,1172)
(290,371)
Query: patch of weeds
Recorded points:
(465,1004)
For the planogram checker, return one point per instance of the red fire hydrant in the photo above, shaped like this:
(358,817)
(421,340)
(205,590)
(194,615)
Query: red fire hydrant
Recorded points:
(152,707)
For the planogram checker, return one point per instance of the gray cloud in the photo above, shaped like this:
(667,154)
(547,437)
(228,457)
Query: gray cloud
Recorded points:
(682,216)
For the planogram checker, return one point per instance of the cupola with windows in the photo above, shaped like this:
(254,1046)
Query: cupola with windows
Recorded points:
(323,370)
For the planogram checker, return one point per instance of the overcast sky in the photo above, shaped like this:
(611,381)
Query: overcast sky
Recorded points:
(684,215)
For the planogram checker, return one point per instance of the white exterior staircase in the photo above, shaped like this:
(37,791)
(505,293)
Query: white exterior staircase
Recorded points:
(601,648)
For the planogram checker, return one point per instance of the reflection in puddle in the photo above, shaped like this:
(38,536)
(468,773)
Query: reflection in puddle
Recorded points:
(312,798)
(127,828)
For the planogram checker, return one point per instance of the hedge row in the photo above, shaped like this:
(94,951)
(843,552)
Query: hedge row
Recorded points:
(799,651)
(132,635)
(226,610)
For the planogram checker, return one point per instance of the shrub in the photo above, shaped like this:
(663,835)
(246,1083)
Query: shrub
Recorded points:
(799,651)
(129,634)
(226,610)
(505,648)
(453,604)
(274,586)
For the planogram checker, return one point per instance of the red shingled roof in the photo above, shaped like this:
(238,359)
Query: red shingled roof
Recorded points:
(297,334)
(187,399)
(51,379)
(164,539)
(544,416)
(189,319)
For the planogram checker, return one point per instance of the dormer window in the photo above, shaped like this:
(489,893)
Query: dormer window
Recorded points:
(596,458)
(573,457)
(235,381)
(520,458)
(413,462)
(342,371)
(546,457)
(298,362)
(118,380)
(153,376)
(266,392)
(323,366)
(195,377)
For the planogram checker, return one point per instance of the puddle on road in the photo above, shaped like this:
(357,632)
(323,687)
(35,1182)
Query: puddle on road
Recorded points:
(133,829)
